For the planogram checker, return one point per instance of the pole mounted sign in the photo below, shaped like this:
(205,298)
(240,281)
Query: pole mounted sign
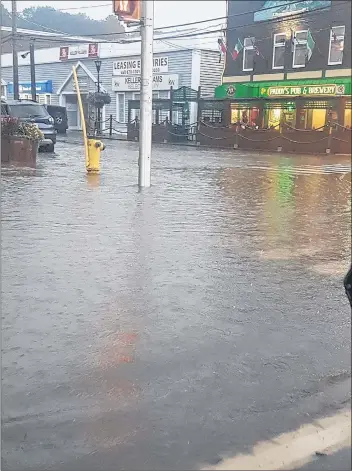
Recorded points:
(128,11)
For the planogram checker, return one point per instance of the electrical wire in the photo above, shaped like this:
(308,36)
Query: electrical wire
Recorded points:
(197,33)
(195,22)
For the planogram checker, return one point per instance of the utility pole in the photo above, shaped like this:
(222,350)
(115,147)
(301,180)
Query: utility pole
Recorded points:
(32,65)
(145,130)
(16,94)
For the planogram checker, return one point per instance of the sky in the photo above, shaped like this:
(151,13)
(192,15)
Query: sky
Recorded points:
(166,12)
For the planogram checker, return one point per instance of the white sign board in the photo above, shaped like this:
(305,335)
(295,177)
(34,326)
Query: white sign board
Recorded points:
(133,83)
(133,66)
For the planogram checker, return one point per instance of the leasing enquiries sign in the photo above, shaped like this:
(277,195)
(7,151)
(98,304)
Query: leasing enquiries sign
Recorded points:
(303,90)
(133,66)
(133,83)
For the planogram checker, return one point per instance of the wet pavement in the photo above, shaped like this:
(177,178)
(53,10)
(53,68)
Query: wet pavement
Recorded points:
(167,328)
(339,461)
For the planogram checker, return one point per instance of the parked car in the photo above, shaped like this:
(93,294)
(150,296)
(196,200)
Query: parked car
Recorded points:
(32,112)
(59,114)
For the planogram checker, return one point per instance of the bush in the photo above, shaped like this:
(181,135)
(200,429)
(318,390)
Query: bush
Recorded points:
(13,127)
(99,99)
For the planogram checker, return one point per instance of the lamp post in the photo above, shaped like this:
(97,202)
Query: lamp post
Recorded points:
(98,67)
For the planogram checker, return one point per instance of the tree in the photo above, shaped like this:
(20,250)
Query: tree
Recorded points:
(52,20)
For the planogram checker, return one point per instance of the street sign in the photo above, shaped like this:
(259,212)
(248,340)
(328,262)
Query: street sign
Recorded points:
(128,11)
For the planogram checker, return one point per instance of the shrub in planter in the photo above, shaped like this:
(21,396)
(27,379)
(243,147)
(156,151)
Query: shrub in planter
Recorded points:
(13,127)
(99,99)
(30,131)
(9,126)
(19,141)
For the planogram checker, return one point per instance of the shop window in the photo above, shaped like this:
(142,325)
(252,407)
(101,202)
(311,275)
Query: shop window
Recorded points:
(347,117)
(212,116)
(3,91)
(314,118)
(248,54)
(248,116)
(120,115)
(300,49)
(273,117)
(137,96)
(44,99)
(337,43)
(289,115)
(279,50)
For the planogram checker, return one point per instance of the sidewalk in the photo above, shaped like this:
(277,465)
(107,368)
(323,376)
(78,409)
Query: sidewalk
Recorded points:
(325,442)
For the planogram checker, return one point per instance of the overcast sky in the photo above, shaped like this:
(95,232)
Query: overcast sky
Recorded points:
(166,12)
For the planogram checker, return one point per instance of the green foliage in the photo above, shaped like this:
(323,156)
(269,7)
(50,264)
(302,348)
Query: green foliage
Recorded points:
(48,18)
(11,126)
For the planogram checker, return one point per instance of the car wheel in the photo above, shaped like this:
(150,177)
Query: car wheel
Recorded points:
(50,148)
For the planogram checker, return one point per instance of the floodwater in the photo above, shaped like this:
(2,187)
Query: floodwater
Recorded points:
(166,328)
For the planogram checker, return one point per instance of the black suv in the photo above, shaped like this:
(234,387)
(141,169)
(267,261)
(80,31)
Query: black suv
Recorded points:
(59,115)
(32,112)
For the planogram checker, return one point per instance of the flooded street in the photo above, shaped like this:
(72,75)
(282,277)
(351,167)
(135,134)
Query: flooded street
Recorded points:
(167,328)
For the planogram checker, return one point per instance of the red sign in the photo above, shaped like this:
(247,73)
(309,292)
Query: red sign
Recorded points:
(63,53)
(127,10)
(93,50)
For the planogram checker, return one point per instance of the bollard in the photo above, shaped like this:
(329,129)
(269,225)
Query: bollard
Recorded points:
(94,148)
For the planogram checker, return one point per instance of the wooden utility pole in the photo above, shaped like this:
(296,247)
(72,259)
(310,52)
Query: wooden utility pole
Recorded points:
(16,94)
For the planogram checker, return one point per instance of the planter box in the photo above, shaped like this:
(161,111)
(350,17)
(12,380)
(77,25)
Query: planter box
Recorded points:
(19,151)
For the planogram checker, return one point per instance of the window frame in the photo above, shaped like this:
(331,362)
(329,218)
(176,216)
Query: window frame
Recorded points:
(120,95)
(247,48)
(299,66)
(277,46)
(331,41)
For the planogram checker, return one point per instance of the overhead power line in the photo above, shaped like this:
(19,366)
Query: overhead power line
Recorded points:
(198,33)
(192,23)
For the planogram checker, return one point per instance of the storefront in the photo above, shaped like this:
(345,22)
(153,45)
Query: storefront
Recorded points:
(44,91)
(119,76)
(302,104)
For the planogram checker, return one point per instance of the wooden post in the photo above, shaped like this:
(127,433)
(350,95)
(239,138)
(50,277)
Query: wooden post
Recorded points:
(340,108)
(170,104)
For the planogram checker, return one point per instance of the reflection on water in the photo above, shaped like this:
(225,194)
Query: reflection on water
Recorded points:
(122,308)
(294,210)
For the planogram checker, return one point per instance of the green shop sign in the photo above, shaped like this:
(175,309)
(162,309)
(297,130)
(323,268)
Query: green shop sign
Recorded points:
(304,90)
(285,88)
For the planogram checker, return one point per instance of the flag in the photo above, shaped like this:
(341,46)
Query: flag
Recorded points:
(237,49)
(222,47)
(310,45)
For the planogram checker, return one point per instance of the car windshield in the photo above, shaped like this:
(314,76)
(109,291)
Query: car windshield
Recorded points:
(28,110)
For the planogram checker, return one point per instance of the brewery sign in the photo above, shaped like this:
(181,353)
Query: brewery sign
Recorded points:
(303,90)
(132,83)
(133,66)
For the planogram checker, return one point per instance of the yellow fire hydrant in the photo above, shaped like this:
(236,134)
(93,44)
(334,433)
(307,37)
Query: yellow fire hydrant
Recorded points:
(94,148)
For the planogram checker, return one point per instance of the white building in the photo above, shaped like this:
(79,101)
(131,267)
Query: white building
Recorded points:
(174,65)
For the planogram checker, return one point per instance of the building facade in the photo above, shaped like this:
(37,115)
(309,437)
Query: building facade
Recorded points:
(295,50)
(119,75)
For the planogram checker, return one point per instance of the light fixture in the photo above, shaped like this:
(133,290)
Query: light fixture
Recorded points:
(24,55)
(98,64)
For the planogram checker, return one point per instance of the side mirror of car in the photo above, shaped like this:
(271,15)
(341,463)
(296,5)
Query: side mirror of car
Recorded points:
(348,284)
